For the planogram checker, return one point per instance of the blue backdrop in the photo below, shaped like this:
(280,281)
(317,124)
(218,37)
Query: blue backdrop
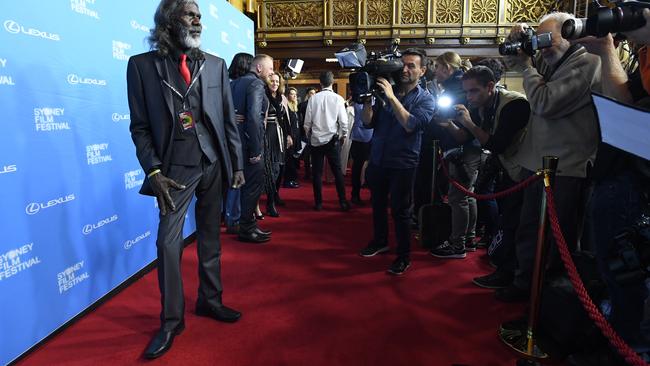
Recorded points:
(73,224)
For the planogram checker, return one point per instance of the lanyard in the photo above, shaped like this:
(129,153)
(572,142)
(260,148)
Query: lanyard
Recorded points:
(189,88)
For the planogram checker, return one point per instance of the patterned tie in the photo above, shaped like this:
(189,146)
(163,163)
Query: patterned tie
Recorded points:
(184,70)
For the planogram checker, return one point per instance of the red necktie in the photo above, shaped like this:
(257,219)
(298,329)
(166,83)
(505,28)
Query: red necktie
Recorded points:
(184,70)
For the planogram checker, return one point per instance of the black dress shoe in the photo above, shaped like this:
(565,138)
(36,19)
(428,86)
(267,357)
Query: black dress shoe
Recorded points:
(162,342)
(221,313)
(262,232)
(252,237)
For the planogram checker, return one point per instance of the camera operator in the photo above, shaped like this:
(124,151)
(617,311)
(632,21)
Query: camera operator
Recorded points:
(562,124)
(617,199)
(497,119)
(395,147)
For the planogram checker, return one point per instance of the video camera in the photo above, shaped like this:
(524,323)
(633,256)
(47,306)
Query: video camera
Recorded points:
(363,82)
(624,16)
(529,43)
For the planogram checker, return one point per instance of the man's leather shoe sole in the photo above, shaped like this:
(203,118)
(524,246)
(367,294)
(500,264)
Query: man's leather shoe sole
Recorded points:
(253,237)
(162,342)
(263,232)
(222,314)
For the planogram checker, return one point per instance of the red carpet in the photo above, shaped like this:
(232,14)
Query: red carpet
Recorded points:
(307,299)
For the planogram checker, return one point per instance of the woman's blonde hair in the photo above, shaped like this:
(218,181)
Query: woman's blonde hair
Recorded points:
(293,105)
(453,60)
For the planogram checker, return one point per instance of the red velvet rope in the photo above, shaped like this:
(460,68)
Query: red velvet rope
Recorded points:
(594,313)
(521,185)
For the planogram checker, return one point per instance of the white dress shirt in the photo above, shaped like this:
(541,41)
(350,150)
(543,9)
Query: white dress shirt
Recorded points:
(325,117)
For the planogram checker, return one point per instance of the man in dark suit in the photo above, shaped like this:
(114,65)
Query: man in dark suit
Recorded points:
(251,104)
(183,127)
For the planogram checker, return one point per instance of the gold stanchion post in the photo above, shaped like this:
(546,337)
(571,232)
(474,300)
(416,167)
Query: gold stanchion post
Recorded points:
(524,343)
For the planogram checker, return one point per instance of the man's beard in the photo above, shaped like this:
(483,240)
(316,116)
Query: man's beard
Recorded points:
(187,38)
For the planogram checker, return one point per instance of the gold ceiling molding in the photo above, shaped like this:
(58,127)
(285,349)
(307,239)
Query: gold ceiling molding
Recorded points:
(484,11)
(414,11)
(449,11)
(294,14)
(427,20)
(526,11)
(379,12)
(344,12)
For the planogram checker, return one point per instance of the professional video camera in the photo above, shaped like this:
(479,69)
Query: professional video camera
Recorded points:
(368,68)
(631,262)
(624,16)
(529,43)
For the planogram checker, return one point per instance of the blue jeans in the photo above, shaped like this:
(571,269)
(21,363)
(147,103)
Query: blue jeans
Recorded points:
(233,207)
(615,204)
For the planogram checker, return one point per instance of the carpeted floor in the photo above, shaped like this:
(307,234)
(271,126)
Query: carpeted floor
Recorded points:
(307,299)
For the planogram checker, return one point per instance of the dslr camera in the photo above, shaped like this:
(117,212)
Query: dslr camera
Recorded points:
(624,16)
(529,43)
(368,67)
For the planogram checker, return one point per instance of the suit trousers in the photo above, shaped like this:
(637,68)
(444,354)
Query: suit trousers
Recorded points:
(398,184)
(204,181)
(331,151)
(250,194)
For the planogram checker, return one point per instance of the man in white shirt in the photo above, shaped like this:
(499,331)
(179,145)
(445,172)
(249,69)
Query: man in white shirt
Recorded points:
(326,125)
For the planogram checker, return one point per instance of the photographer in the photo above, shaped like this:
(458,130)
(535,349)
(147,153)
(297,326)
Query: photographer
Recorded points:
(395,147)
(464,161)
(497,119)
(618,199)
(562,124)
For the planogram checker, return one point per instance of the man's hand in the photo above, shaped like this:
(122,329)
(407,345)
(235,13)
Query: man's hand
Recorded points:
(238,179)
(289,142)
(161,185)
(521,61)
(598,46)
(386,88)
(462,116)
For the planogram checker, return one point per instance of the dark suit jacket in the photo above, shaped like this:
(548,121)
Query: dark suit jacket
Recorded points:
(153,116)
(250,101)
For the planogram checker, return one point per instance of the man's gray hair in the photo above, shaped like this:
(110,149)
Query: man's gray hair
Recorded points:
(558,17)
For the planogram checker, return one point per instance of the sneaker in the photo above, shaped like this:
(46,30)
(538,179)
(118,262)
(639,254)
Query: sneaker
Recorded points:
(495,280)
(399,266)
(447,250)
(372,250)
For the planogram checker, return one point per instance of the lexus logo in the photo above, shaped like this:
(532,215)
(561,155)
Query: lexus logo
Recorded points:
(87,229)
(33,208)
(12,27)
(73,79)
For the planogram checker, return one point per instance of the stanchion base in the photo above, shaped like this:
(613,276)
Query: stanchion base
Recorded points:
(517,340)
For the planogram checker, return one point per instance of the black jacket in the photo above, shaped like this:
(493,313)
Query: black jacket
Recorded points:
(153,117)
(250,100)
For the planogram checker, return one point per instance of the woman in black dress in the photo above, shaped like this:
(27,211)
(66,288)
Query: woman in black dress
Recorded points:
(276,143)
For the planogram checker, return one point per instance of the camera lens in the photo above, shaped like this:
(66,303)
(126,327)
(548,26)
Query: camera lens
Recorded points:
(574,28)
(509,48)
